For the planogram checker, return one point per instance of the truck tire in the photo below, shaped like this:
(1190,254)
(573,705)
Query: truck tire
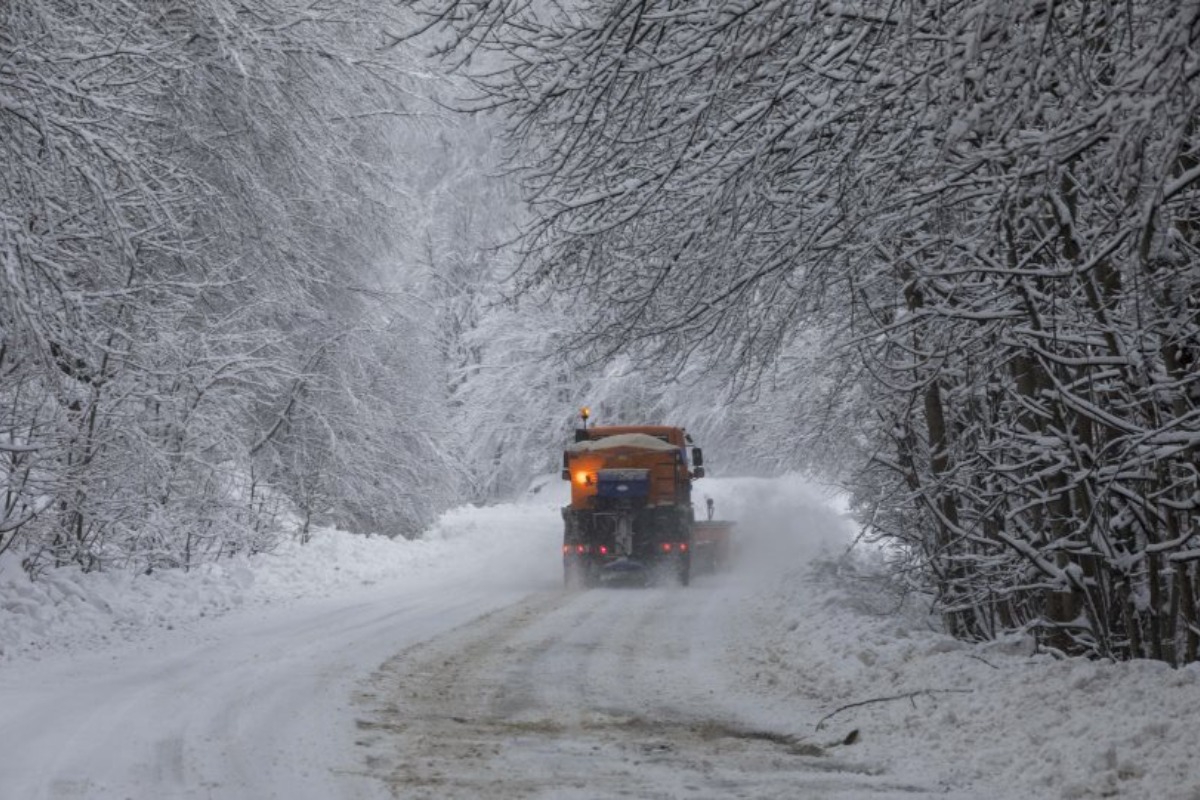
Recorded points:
(580,576)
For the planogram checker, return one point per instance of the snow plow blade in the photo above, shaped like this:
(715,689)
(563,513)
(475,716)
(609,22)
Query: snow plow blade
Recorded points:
(712,545)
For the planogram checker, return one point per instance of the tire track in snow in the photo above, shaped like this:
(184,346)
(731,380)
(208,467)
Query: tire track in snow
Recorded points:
(255,707)
(599,694)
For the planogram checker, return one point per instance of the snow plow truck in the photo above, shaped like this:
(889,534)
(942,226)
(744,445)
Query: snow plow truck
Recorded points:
(631,517)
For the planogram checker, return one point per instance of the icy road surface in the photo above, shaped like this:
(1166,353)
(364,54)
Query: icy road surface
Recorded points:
(457,667)
(611,694)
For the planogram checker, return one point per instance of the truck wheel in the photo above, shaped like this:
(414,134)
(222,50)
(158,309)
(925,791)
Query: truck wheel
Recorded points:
(580,576)
(591,577)
(685,573)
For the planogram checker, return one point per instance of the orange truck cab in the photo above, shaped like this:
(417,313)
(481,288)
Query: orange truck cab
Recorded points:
(631,504)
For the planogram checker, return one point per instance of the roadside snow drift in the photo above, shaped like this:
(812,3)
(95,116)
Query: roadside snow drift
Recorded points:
(66,610)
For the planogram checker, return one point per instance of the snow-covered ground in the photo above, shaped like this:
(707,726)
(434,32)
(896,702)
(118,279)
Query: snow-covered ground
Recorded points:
(366,667)
(238,681)
(65,611)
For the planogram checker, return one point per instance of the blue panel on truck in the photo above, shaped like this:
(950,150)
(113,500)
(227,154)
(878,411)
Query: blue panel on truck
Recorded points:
(623,483)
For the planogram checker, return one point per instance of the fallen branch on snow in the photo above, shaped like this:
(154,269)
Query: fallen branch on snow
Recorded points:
(906,696)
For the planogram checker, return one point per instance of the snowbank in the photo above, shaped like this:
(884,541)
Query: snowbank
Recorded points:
(993,717)
(66,610)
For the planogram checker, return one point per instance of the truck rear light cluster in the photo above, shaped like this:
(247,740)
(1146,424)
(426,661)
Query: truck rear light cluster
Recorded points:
(580,549)
(603,549)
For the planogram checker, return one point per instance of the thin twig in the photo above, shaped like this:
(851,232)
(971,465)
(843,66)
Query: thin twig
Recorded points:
(981,658)
(906,696)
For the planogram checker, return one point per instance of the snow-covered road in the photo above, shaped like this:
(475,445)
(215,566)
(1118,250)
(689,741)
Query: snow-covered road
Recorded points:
(605,694)
(239,683)
(259,706)
(457,666)
(287,697)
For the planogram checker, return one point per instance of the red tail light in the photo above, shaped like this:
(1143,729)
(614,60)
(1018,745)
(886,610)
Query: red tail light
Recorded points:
(666,546)
(580,548)
(683,547)
(603,550)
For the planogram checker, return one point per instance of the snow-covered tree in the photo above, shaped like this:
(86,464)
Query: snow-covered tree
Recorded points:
(206,310)
(988,209)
